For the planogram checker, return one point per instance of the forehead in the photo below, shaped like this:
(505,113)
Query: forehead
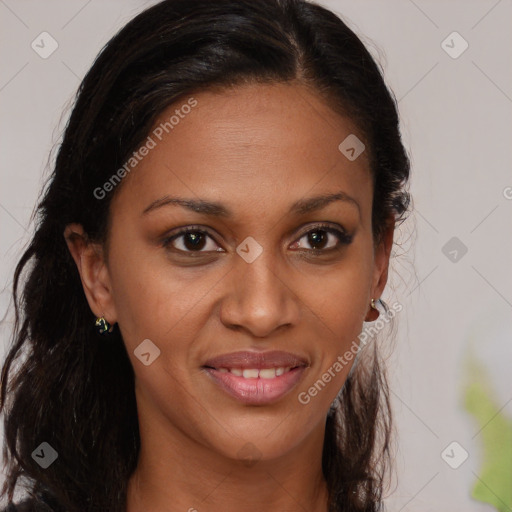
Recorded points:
(255,144)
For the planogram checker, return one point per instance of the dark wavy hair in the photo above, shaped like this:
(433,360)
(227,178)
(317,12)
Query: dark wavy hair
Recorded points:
(60,382)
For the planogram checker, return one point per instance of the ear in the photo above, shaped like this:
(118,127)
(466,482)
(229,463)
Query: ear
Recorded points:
(381,264)
(93,271)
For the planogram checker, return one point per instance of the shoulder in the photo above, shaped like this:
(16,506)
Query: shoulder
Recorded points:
(24,506)
(27,505)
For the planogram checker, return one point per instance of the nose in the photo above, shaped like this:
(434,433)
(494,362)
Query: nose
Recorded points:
(260,298)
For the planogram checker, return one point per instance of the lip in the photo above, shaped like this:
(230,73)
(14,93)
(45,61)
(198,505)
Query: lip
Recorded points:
(257,391)
(259,360)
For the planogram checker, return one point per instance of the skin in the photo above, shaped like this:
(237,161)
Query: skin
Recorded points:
(256,149)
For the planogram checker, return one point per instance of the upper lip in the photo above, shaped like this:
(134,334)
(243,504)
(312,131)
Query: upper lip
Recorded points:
(259,360)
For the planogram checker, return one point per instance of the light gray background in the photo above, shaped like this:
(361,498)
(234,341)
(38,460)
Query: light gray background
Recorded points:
(456,121)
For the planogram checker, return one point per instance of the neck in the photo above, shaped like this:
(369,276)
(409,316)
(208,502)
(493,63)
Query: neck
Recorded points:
(178,473)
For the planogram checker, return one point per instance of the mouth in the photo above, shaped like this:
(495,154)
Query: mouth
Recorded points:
(256,378)
(255,373)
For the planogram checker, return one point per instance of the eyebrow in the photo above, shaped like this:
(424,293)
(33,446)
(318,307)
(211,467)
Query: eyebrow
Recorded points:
(216,209)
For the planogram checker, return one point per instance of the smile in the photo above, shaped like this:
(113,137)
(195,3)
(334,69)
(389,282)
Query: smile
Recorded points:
(256,378)
(255,373)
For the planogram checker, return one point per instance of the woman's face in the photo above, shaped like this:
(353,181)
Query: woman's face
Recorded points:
(286,263)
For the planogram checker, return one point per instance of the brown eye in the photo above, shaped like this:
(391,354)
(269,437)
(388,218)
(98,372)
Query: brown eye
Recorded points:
(191,240)
(323,238)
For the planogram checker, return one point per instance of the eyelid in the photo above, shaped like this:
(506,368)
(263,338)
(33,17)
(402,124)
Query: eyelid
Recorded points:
(343,236)
(167,239)
(324,226)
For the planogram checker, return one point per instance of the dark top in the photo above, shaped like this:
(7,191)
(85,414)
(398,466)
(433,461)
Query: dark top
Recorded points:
(24,506)
(27,505)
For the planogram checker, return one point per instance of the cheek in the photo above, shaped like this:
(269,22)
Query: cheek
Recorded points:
(340,297)
(339,301)
(158,301)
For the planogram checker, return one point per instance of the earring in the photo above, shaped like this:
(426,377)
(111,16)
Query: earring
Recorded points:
(373,305)
(103,326)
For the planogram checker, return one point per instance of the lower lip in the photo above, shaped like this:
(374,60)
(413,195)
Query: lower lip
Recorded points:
(257,391)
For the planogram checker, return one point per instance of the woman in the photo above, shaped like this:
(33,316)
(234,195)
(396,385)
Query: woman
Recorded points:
(217,228)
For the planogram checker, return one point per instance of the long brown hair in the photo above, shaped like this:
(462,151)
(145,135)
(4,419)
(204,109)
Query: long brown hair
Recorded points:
(60,382)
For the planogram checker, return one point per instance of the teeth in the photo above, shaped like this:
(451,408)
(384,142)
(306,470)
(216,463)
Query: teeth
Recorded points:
(254,373)
(268,373)
(250,374)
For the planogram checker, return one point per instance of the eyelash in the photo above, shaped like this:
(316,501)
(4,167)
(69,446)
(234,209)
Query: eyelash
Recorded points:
(341,235)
